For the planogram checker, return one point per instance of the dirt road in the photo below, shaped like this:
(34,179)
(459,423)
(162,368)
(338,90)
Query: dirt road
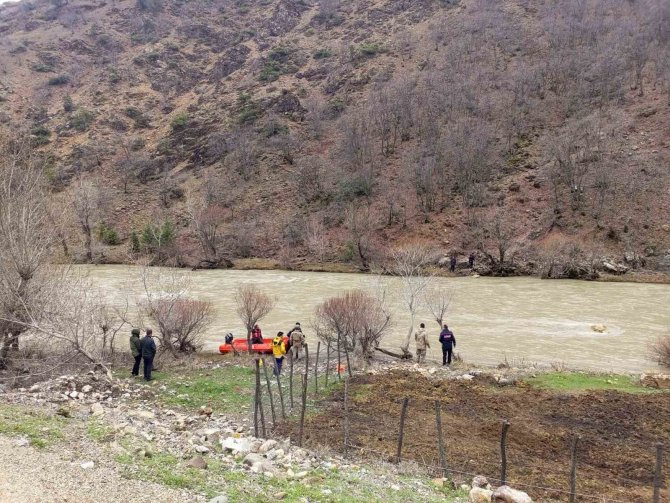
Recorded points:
(30,475)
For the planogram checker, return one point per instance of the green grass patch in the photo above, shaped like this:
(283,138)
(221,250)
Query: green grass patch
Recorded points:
(577,381)
(228,389)
(39,427)
(98,432)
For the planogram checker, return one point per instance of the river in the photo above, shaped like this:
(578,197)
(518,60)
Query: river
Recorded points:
(523,320)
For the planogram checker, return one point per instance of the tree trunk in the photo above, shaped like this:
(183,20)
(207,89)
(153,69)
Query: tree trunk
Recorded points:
(405,356)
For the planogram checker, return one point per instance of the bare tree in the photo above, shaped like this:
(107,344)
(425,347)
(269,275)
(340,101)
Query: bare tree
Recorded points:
(25,242)
(316,238)
(181,321)
(89,206)
(438,299)
(409,265)
(661,350)
(252,306)
(359,222)
(355,318)
(499,234)
(207,220)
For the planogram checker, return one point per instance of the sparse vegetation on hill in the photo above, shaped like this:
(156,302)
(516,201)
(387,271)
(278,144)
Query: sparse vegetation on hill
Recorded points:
(470,125)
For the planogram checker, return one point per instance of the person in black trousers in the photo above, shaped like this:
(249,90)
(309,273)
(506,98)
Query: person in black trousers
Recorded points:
(136,350)
(448,344)
(148,353)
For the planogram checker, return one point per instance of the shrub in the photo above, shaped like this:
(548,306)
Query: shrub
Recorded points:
(274,128)
(249,109)
(155,236)
(60,80)
(82,119)
(355,187)
(68,104)
(114,76)
(141,120)
(134,242)
(40,135)
(323,54)
(271,72)
(42,68)
(661,350)
(138,144)
(107,235)
(180,121)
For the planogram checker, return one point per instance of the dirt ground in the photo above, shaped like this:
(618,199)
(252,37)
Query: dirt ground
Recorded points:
(616,451)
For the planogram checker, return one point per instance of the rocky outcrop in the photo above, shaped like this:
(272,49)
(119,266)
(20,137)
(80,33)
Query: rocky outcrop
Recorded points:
(505,494)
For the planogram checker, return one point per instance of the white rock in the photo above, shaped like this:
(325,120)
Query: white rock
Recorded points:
(201,449)
(301,475)
(505,494)
(236,445)
(87,389)
(87,465)
(97,410)
(22,442)
(268,445)
(480,495)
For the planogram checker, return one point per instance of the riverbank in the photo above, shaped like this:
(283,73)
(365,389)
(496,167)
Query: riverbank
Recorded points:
(188,435)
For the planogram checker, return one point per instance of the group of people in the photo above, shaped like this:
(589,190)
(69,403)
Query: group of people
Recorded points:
(143,349)
(293,342)
(446,339)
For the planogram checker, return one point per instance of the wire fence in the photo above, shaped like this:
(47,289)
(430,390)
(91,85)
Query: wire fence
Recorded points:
(518,467)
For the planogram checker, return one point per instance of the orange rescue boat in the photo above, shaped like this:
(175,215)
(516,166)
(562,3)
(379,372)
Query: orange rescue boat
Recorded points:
(240,345)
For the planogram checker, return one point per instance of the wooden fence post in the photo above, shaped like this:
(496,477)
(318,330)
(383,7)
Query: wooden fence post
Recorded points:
(272,403)
(304,407)
(281,397)
(440,439)
(346,418)
(658,473)
(290,382)
(256,399)
(503,452)
(401,433)
(573,470)
(316,369)
(346,353)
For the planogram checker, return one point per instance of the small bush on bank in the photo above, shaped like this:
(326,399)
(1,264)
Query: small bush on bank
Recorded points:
(82,119)
(180,121)
(323,53)
(661,351)
(107,235)
(60,80)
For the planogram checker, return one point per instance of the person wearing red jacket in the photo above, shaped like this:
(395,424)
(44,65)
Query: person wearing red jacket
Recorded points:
(256,335)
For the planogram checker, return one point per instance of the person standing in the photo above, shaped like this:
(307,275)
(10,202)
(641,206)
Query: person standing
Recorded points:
(296,340)
(421,343)
(471,260)
(278,351)
(148,353)
(452,263)
(136,350)
(448,344)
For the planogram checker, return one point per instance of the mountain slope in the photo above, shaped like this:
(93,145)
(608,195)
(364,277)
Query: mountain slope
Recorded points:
(330,131)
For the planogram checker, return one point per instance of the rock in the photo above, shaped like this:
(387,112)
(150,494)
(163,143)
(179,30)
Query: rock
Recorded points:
(97,410)
(505,494)
(439,482)
(268,445)
(201,449)
(599,328)
(34,388)
(665,227)
(481,481)
(87,389)
(197,462)
(88,465)
(147,415)
(480,495)
(236,445)
(22,442)
(252,458)
(466,377)
(300,475)
(221,498)
(280,496)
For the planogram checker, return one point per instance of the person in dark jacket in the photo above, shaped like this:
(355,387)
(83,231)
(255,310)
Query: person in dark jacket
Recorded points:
(471,261)
(136,350)
(452,263)
(448,344)
(148,353)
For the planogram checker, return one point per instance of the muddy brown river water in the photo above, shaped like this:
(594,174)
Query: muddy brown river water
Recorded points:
(518,319)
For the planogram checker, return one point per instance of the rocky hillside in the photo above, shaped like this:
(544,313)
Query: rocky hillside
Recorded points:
(327,131)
